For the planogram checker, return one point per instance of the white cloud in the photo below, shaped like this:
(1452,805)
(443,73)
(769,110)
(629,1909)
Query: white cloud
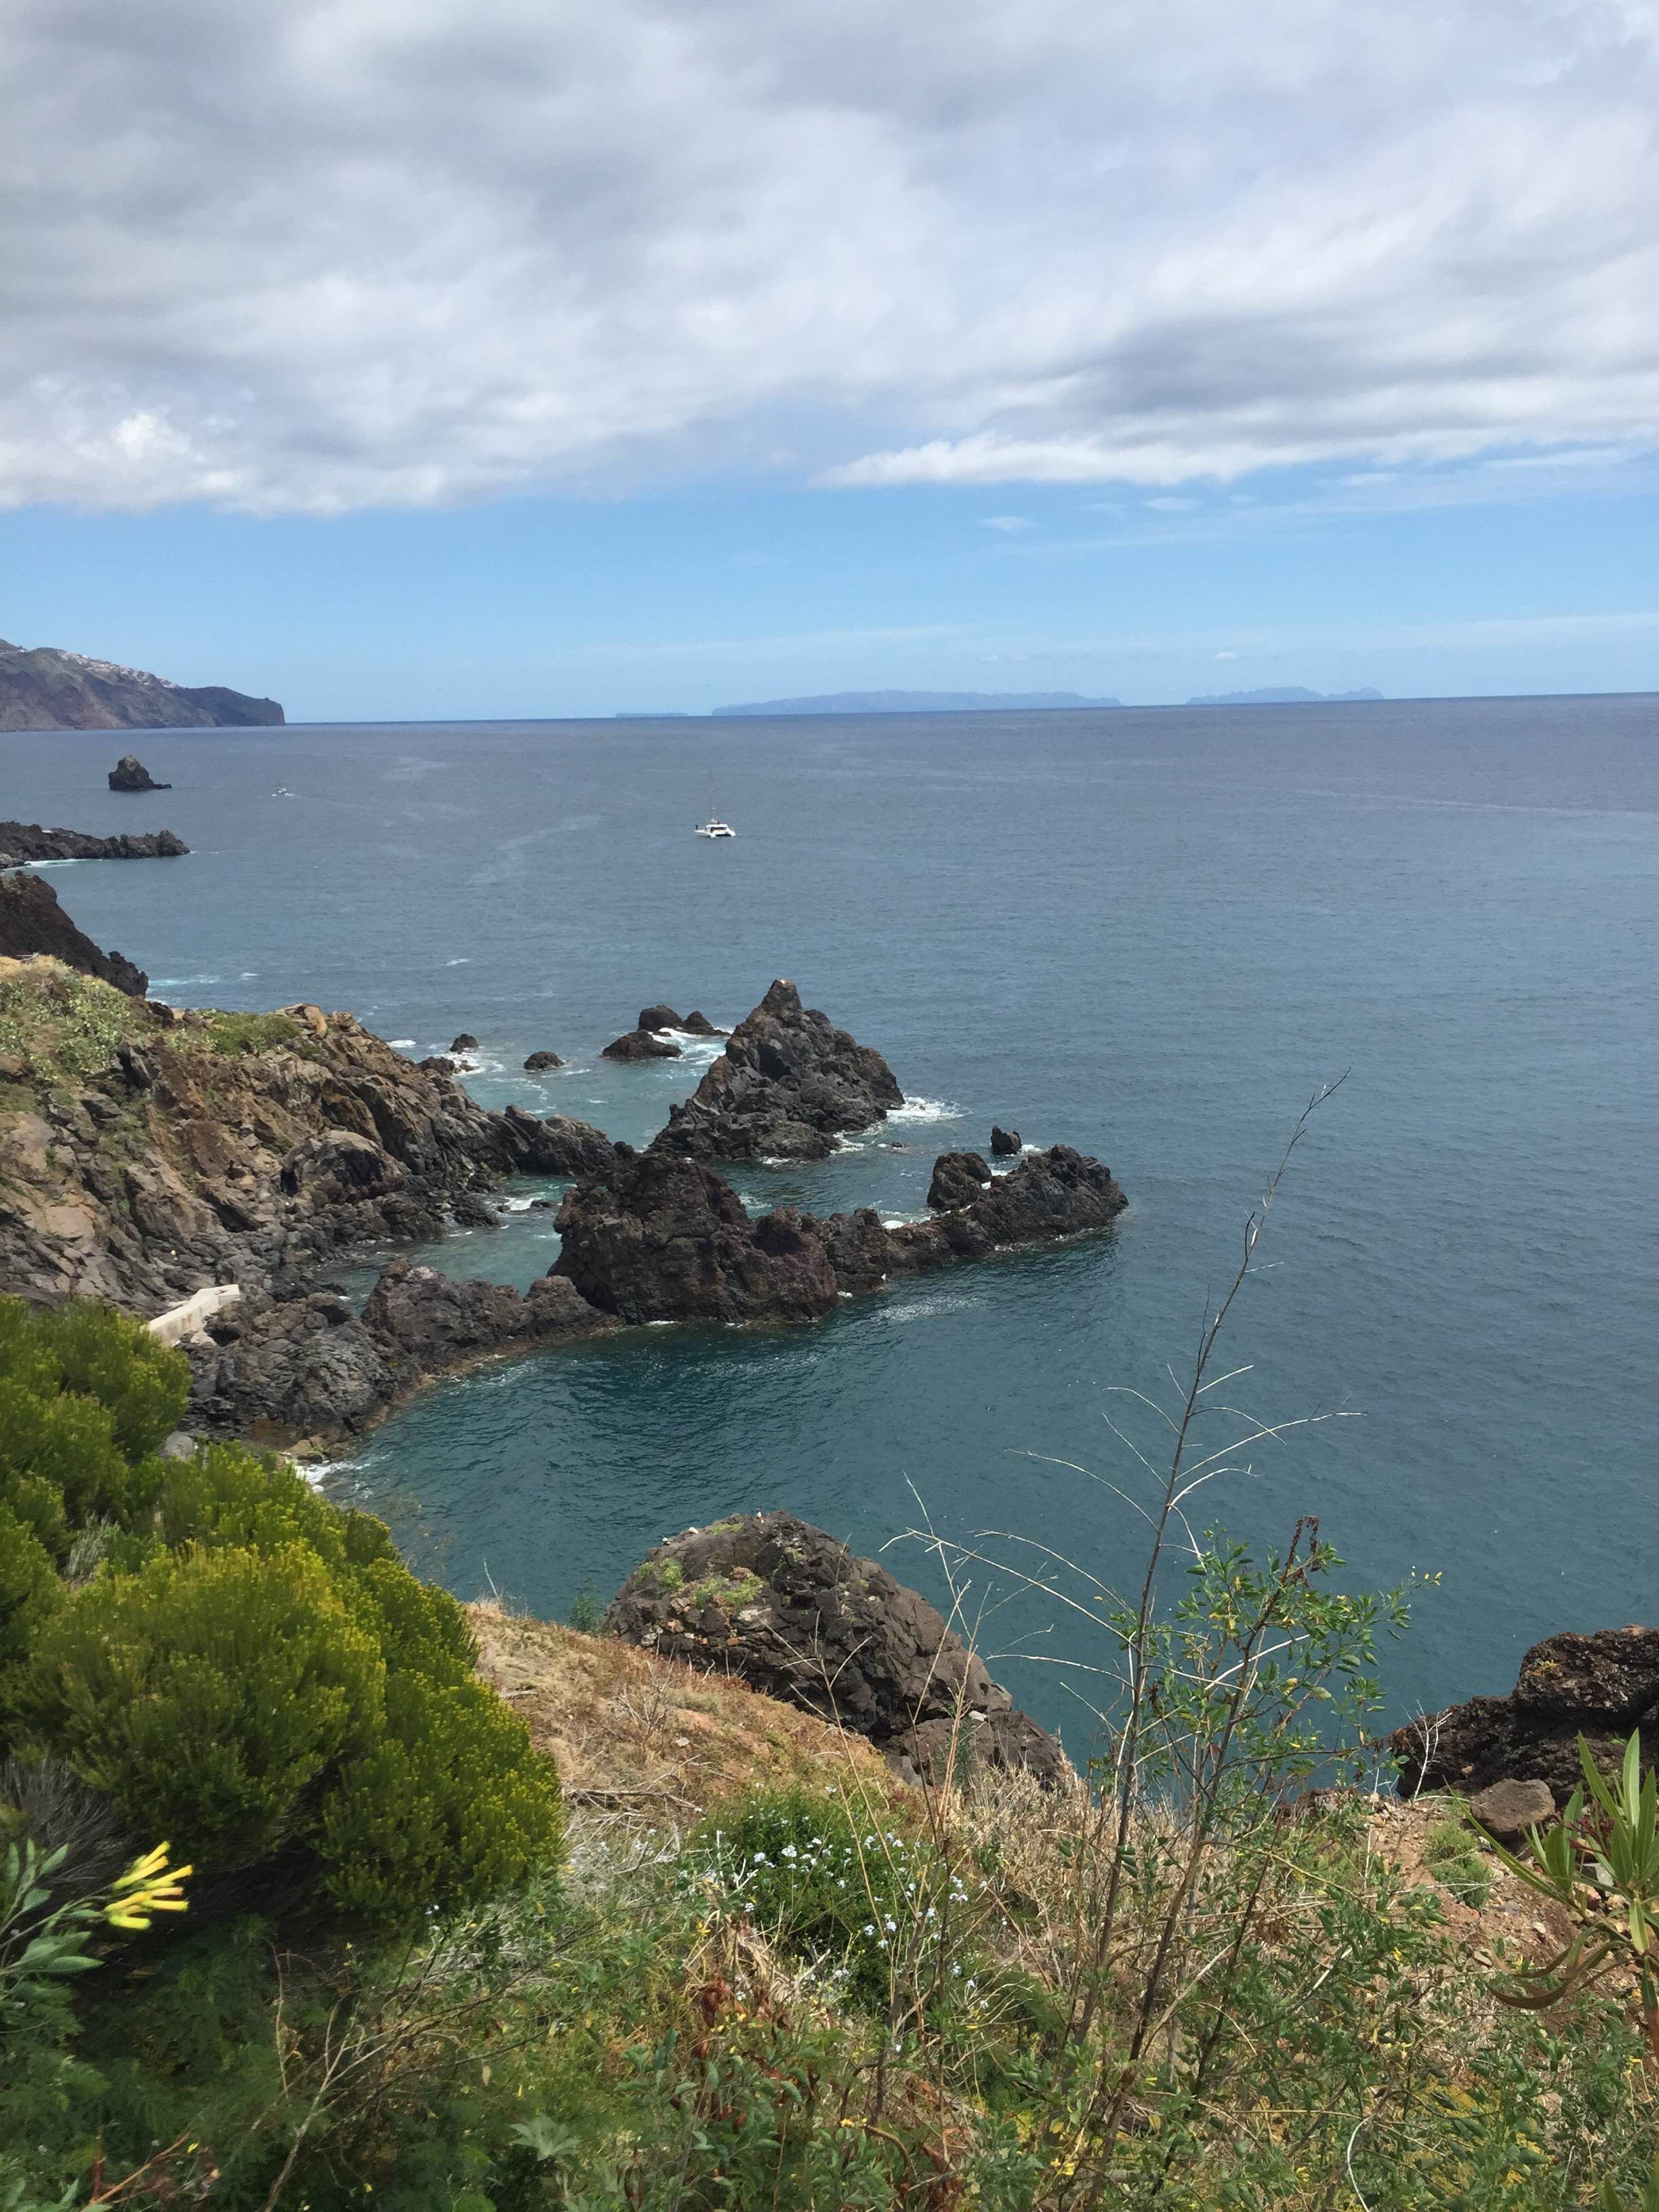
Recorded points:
(1010,523)
(1226,656)
(316,254)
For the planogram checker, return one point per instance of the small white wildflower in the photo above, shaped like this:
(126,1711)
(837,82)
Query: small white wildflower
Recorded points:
(891,1923)
(869,1927)
(789,1852)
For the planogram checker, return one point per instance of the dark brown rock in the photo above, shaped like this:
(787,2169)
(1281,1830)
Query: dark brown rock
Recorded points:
(424,1314)
(791,1610)
(662,1239)
(659,1017)
(539,1061)
(1603,1685)
(130,774)
(1004,1143)
(788,1084)
(32,921)
(959,1179)
(641,1044)
(698,1024)
(464,1042)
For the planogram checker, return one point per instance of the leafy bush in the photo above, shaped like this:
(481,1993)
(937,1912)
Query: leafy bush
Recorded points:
(233,1034)
(1453,1856)
(246,1669)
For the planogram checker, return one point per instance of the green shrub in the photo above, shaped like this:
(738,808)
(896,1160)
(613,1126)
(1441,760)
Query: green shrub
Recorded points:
(1453,1856)
(245,1669)
(232,1035)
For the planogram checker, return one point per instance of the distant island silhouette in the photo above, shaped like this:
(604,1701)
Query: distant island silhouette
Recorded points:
(913,702)
(1287,694)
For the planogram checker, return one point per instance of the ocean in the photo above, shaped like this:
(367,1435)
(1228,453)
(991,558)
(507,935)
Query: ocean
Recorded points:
(1152,933)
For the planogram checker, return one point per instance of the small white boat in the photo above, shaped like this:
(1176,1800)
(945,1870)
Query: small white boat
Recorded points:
(712,828)
(281,792)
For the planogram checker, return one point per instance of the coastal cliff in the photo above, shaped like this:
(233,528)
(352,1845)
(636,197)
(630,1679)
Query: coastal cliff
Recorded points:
(44,687)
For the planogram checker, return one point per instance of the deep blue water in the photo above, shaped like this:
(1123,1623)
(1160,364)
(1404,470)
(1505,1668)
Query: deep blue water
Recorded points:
(1152,933)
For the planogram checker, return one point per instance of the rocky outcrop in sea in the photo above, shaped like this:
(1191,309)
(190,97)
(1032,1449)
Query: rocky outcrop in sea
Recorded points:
(786,1086)
(28,840)
(130,774)
(791,1611)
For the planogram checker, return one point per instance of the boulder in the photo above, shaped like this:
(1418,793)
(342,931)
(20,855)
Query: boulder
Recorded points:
(641,1044)
(437,1064)
(791,1610)
(472,1211)
(1004,1143)
(270,1370)
(658,1238)
(1508,1809)
(558,1145)
(130,774)
(464,1042)
(539,1061)
(698,1024)
(421,1315)
(1603,1685)
(659,1017)
(788,1084)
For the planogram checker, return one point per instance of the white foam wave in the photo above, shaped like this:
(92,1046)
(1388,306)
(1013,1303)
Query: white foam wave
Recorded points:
(516,1205)
(925,1109)
(463,962)
(180,982)
(927,1309)
(401,1044)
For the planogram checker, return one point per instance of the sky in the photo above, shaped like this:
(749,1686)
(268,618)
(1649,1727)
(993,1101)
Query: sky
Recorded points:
(513,357)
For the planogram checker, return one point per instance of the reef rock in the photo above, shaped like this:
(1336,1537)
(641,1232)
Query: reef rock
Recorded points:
(130,774)
(641,1044)
(466,1042)
(539,1061)
(437,1321)
(791,1610)
(1004,1143)
(659,1017)
(658,1238)
(959,1179)
(31,922)
(788,1084)
(28,840)
(1604,1686)
(697,1023)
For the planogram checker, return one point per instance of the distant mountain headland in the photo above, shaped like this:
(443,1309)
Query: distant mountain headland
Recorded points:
(913,702)
(42,687)
(1287,694)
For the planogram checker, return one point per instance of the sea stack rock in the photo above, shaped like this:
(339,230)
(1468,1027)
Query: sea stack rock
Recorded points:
(697,1023)
(641,1044)
(130,774)
(659,1017)
(464,1042)
(791,1610)
(1602,1686)
(1004,1143)
(788,1084)
(657,1238)
(539,1061)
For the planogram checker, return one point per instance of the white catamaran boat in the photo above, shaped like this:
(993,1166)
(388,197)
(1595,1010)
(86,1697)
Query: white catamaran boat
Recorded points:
(714,828)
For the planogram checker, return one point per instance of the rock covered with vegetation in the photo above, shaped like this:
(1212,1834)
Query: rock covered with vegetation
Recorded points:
(31,923)
(786,1086)
(145,1152)
(789,1608)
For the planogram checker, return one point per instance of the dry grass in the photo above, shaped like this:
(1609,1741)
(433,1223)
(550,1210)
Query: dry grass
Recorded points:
(647,1745)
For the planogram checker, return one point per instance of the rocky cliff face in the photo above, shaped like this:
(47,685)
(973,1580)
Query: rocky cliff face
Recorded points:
(1601,1685)
(44,688)
(32,921)
(145,1152)
(788,1084)
(789,1610)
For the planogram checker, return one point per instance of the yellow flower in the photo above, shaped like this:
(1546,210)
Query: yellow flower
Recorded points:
(149,1886)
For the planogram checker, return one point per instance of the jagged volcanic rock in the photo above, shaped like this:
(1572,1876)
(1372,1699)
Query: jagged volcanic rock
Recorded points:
(1605,1684)
(466,1042)
(28,840)
(659,1017)
(641,1044)
(790,1609)
(665,1239)
(1059,1192)
(438,1321)
(786,1086)
(130,774)
(697,1023)
(32,921)
(1004,1143)
(539,1061)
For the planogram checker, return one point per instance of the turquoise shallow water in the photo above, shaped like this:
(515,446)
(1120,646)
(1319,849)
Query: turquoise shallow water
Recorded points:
(1152,933)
